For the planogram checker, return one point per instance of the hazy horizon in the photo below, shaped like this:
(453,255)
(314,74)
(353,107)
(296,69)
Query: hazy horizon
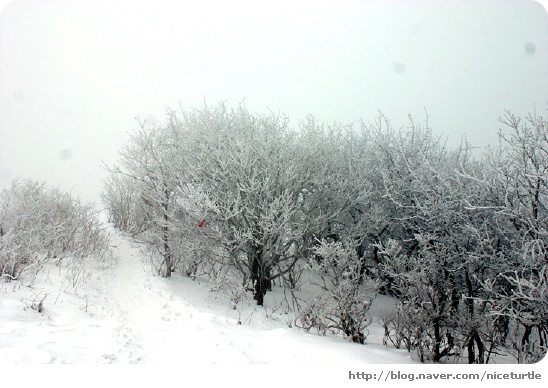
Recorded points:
(74,75)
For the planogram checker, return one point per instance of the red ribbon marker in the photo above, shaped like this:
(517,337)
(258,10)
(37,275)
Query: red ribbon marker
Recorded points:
(201,223)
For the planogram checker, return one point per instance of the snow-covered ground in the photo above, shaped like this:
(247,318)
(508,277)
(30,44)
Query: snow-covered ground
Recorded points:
(125,314)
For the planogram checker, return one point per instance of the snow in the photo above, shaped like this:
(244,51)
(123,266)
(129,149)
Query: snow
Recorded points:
(124,314)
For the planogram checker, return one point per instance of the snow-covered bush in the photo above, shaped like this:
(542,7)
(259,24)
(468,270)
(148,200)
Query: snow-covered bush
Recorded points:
(227,284)
(40,224)
(345,299)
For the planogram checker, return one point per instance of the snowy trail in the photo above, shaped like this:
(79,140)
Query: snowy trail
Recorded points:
(128,293)
(157,326)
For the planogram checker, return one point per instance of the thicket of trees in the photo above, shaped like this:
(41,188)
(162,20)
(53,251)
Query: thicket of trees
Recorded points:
(39,224)
(460,241)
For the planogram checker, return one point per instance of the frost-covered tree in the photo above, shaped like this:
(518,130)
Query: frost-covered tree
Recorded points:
(439,254)
(243,188)
(267,193)
(518,200)
(468,255)
(460,242)
(340,193)
(145,178)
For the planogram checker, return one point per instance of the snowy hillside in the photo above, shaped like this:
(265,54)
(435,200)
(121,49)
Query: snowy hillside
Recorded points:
(124,314)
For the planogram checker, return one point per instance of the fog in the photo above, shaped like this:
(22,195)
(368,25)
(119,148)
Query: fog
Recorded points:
(75,74)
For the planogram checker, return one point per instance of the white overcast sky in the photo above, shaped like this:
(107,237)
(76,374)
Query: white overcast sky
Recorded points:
(74,74)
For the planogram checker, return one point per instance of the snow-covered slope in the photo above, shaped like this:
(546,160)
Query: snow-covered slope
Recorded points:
(183,332)
(125,314)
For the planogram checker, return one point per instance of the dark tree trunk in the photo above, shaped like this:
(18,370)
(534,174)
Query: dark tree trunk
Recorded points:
(260,274)
(261,286)
(475,339)
(526,335)
(502,325)
(167,253)
(481,348)
(437,340)
(165,236)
